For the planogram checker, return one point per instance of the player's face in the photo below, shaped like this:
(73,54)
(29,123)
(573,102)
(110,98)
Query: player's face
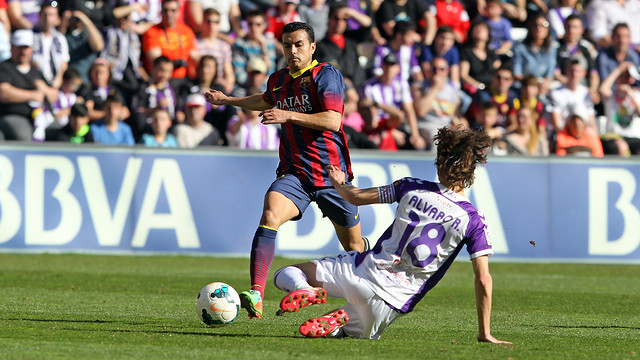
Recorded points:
(297,49)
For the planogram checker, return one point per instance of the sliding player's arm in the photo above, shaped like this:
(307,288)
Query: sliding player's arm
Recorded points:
(484,290)
(352,194)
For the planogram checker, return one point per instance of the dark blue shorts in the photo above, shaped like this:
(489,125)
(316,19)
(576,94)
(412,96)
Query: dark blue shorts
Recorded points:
(328,200)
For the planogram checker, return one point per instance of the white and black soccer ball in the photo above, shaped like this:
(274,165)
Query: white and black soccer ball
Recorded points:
(218,304)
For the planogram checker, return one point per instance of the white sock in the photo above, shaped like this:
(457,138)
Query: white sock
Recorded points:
(290,278)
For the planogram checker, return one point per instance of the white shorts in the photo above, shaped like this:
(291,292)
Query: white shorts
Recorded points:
(369,315)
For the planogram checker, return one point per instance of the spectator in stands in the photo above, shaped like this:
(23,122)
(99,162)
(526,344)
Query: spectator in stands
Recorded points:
(254,44)
(352,122)
(387,105)
(563,99)
(50,47)
(360,21)
(528,138)
(604,15)
(159,136)
(315,14)
(123,52)
(247,132)
(99,11)
(172,39)
(280,15)
(577,138)
(100,88)
(195,131)
(477,61)
(111,130)
(620,51)
(443,46)
(218,116)
(452,13)
(414,12)
(158,93)
(403,45)
(339,50)
(76,131)
(501,94)
(71,92)
(436,102)
(228,11)
(529,97)
(84,39)
(142,13)
(210,44)
(514,10)
(486,118)
(572,45)
(23,14)
(622,108)
(499,27)
(536,54)
(5,32)
(558,16)
(23,90)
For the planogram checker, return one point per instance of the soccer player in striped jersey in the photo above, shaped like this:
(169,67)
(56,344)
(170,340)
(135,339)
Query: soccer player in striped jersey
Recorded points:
(307,100)
(433,222)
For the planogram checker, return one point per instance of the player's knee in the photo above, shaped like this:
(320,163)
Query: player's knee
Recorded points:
(271,219)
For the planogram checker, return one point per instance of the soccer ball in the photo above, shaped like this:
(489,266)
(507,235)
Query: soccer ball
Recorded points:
(218,304)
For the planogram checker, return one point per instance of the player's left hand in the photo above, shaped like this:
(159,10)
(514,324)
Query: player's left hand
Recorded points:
(274,116)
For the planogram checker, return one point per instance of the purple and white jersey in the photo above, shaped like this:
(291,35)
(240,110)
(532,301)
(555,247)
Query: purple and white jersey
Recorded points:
(431,226)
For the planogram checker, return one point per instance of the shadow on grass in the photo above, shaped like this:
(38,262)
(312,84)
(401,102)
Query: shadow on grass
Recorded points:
(601,327)
(146,330)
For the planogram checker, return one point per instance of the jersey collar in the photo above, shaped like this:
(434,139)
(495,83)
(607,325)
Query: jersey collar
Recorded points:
(301,71)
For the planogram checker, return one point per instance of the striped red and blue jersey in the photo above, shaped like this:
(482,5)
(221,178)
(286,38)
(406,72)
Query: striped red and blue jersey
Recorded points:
(305,152)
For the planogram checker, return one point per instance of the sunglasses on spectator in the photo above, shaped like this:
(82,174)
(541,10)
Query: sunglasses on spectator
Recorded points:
(338,18)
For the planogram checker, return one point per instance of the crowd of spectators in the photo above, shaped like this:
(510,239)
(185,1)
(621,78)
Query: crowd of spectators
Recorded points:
(539,76)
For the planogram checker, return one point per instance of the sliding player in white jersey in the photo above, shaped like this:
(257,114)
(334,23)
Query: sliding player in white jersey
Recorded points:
(433,222)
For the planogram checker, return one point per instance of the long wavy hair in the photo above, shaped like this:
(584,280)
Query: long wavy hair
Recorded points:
(458,152)
(529,40)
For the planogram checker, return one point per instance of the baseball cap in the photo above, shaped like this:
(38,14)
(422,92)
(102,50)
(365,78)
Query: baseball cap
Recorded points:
(580,111)
(633,72)
(196,100)
(22,37)
(257,64)
(390,58)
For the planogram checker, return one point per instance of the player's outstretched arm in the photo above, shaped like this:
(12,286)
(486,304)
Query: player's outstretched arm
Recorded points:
(484,290)
(251,102)
(352,194)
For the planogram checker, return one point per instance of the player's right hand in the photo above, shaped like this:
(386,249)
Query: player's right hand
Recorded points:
(215,97)
(336,175)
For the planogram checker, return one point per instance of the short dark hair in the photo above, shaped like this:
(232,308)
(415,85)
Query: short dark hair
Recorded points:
(333,8)
(79,109)
(619,26)
(402,28)
(297,25)
(115,97)
(254,12)
(71,74)
(444,29)
(573,17)
(161,60)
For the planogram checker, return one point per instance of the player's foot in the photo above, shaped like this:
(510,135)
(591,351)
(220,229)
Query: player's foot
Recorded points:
(367,246)
(296,300)
(324,325)
(251,300)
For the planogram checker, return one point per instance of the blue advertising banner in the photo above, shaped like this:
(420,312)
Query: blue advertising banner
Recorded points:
(139,200)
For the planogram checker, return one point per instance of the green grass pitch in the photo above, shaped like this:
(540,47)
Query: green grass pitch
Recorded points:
(122,307)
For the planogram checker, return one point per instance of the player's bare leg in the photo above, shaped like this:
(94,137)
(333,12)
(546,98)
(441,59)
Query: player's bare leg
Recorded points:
(277,210)
(350,238)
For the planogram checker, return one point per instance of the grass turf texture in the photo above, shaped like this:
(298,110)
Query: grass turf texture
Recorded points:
(116,307)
